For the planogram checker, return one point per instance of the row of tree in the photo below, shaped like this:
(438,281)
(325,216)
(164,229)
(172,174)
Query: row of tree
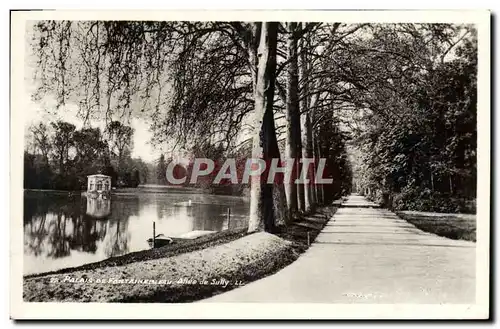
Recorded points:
(281,87)
(59,156)
(419,153)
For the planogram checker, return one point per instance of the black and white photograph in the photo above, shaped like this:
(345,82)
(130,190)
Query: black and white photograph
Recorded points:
(235,160)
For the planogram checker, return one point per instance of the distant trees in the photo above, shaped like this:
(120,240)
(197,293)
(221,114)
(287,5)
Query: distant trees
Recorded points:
(63,140)
(161,170)
(36,173)
(42,141)
(62,157)
(332,145)
(37,166)
(119,139)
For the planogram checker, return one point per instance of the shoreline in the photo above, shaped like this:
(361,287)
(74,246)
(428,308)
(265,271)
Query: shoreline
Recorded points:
(142,189)
(181,246)
(132,191)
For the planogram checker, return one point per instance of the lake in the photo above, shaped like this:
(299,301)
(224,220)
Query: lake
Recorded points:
(62,231)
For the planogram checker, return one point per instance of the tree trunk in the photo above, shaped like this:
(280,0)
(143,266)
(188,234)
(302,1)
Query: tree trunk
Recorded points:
(307,154)
(61,163)
(261,193)
(303,107)
(310,151)
(292,120)
(281,213)
(314,165)
(300,187)
(319,187)
(305,127)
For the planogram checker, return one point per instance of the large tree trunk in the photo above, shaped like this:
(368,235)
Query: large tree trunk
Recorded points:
(292,120)
(261,193)
(307,154)
(303,107)
(310,150)
(305,126)
(281,213)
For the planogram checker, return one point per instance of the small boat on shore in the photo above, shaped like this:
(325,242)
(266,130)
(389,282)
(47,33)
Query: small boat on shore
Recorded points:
(163,240)
(160,241)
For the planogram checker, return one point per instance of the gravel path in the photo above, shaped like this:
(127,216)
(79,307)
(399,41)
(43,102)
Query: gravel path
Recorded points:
(369,255)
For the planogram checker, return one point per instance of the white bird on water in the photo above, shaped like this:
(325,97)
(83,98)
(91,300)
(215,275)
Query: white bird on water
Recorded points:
(184,203)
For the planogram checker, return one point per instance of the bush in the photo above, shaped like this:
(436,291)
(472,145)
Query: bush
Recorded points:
(427,200)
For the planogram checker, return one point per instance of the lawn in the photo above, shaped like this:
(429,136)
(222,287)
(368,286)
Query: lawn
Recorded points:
(452,226)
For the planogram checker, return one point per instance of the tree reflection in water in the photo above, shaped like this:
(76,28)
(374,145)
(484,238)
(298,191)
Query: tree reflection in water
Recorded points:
(98,208)
(116,242)
(55,227)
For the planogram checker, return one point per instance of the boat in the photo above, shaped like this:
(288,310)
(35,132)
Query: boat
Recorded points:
(160,241)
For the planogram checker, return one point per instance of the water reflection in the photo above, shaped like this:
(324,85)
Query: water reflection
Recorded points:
(98,207)
(63,232)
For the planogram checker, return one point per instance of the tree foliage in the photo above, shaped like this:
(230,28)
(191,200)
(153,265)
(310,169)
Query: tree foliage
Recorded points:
(420,151)
(63,156)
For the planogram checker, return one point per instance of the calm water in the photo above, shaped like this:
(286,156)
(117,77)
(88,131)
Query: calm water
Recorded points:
(64,232)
